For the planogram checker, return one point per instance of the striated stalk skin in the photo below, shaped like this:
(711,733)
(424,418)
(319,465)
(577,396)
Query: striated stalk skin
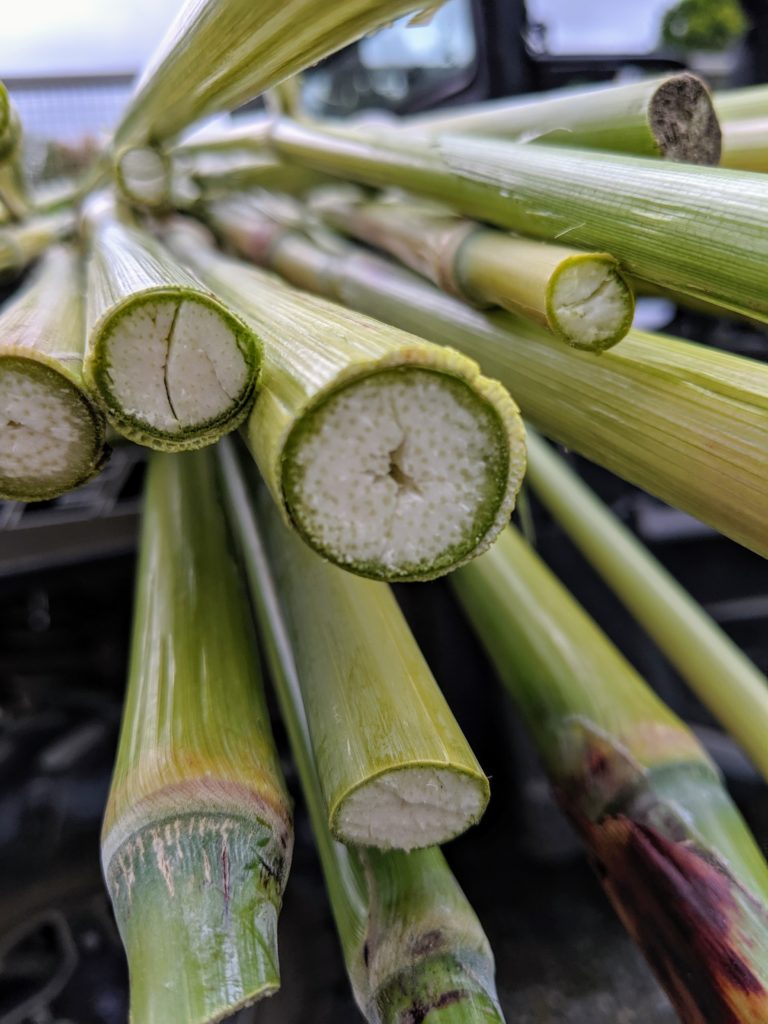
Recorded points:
(197,837)
(680,420)
(670,848)
(670,117)
(699,230)
(412,944)
(41,339)
(217,174)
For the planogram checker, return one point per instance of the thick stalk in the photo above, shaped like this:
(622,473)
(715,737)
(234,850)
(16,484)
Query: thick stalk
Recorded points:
(411,943)
(700,230)
(52,433)
(173,366)
(742,104)
(392,457)
(22,243)
(581,297)
(721,675)
(683,421)
(197,835)
(669,117)
(671,850)
(218,174)
(144,177)
(745,144)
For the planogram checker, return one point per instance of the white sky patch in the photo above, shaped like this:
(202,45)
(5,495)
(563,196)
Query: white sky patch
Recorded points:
(599,26)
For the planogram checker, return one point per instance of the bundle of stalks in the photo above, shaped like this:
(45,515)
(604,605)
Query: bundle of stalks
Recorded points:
(197,835)
(22,243)
(173,367)
(392,457)
(721,675)
(413,948)
(671,851)
(671,117)
(683,421)
(52,435)
(580,296)
(699,230)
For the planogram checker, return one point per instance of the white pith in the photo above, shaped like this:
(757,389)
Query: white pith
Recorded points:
(174,364)
(394,472)
(411,808)
(144,175)
(589,302)
(42,432)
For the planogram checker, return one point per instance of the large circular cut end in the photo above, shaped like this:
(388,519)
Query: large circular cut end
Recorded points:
(402,474)
(51,437)
(175,369)
(590,305)
(411,808)
(683,121)
(143,174)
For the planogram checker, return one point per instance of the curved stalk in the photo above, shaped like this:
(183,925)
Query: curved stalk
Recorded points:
(22,243)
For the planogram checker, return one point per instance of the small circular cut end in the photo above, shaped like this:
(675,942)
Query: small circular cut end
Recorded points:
(683,121)
(400,474)
(143,175)
(590,304)
(411,808)
(175,370)
(51,439)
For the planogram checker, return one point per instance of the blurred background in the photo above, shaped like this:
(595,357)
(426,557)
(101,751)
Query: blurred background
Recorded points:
(66,567)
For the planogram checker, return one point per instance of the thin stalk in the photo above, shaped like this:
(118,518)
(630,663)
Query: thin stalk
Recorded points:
(13,187)
(581,297)
(22,243)
(220,53)
(699,230)
(683,421)
(197,835)
(671,850)
(392,457)
(220,173)
(9,123)
(745,144)
(411,943)
(173,366)
(671,117)
(52,434)
(144,177)
(721,675)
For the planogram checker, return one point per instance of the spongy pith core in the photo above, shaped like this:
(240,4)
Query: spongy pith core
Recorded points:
(589,302)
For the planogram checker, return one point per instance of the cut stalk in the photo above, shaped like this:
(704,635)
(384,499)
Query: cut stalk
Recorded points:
(699,230)
(197,835)
(219,174)
(683,421)
(742,104)
(745,145)
(143,175)
(174,368)
(726,681)
(220,53)
(22,243)
(671,117)
(52,435)
(672,852)
(581,297)
(392,457)
(412,945)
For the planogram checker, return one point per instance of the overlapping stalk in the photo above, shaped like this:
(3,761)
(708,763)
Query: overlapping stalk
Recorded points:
(22,243)
(683,421)
(392,457)
(51,432)
(670,117)
(742,104)
(174,367)
(672,852)
(412,946)
(745,145)
(717,670)
(698,230)
(580,296)
(197,835)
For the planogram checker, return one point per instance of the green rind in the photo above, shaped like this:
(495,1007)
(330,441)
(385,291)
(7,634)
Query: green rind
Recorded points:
(608,340)
(443,989)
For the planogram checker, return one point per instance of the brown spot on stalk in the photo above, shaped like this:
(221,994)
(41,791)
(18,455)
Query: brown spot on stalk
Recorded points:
(415,1014)
(225,877)
(427,943)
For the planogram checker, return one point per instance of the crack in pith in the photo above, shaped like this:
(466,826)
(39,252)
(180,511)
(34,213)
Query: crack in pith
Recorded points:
(169,343)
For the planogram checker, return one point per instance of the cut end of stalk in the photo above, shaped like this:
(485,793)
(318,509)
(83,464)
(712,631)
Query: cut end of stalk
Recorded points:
(683,121)
(142,174)
(411,808)
(53,438)
(404,473)
(174,369)
(589,303)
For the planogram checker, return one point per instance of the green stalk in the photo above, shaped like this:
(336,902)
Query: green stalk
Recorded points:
(742,104)
(9,124)
(683,421)
(13,188)
(220,173)
(730,685)
(392,457)
(52,435)
(144,177)
(412,945)
(745,145)
(220,53)
(670,117)
(174,367)
(699,230)
(197,835)
(22,243)
(580,296)
(671,850)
